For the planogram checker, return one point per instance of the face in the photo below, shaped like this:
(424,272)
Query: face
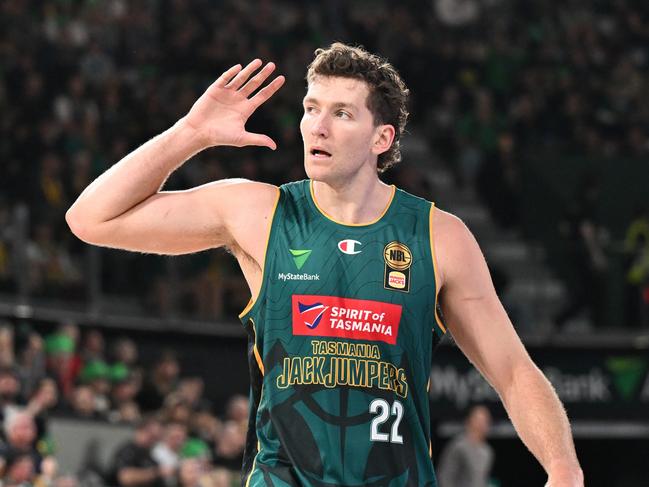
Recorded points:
(175,436)
(480,421)
(84,401)
(22,471)
(23,431)
(9,386)
(338,130)
(190,472)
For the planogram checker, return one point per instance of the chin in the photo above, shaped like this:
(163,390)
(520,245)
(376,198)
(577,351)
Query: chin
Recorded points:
(318,172)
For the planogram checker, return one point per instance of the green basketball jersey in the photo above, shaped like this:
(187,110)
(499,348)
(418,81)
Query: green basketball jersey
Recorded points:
(340,346)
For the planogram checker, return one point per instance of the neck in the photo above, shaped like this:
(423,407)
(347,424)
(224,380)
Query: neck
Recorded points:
(353,203)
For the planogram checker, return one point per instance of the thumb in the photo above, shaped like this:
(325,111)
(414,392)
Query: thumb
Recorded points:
(262,140)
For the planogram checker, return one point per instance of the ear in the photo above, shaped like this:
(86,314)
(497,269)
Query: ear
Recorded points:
(383,138)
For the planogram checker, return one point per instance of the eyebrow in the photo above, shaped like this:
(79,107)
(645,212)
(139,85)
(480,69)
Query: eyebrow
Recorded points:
(338,104)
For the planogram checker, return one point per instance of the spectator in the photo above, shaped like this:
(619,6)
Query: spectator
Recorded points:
(176,410)
(20,440)
(47,475)
(9,392)
(198,450)
(237,409)
(51,267)
(124,351)
(6,346)
(206,427)
(62,364)
(195,464)
(161,382)
(41,403)
(466,461)
(499,182)
(19,470)
(31,360)
(133,464)
(636,247)
(124,390)
(190,391)
(166,452)
(586,239)
(190,473)
(95,374)
(560,79)
(229,449)
(83,404)
(93,346)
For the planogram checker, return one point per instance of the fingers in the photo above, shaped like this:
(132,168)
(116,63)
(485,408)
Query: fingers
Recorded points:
(235,77)
(256,81)
(244,74)
(225,78)
(267,91)
(258,139)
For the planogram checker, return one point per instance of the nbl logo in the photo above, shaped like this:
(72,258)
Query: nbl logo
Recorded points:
(398,260)
(312,313)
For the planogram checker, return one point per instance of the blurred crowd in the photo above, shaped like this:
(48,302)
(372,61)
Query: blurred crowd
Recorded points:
(493,81)
(178,440)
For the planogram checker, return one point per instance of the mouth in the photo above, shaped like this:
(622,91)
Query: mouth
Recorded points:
(319,153)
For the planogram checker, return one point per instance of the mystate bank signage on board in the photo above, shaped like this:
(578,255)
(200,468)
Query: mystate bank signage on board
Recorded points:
(592,383)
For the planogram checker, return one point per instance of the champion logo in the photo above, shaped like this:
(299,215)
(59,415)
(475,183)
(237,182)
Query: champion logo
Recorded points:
(312,314)
(348,246)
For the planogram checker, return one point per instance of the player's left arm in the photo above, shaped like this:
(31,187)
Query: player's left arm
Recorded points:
(483,331)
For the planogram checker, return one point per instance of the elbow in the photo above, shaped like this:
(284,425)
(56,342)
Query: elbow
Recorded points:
(75,223)
(79,226)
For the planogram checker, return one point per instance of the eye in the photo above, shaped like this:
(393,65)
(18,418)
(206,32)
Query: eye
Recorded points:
(309,109)
(342,114)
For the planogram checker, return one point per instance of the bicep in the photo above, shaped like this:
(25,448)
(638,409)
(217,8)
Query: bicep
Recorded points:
(179,222)
(472,309)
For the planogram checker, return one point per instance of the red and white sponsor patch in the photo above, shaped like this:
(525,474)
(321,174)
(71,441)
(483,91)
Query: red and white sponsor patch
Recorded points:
(355,319)
(397,279)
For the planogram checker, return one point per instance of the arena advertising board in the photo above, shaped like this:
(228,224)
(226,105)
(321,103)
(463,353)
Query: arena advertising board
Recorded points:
(606,384)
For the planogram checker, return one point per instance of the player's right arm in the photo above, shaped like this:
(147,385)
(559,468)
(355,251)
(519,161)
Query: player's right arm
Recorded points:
(125,208)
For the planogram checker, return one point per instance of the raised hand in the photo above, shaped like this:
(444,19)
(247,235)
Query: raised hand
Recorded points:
(219,116)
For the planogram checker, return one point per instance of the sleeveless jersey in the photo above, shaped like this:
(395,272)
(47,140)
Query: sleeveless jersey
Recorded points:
(340,347)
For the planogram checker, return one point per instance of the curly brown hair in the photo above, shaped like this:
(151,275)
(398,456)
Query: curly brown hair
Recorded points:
(388,98)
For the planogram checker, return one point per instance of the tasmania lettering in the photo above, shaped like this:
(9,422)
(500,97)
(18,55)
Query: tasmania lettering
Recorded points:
(355,319)
(338,363)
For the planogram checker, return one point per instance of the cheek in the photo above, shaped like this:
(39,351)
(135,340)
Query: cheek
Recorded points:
(357,144)
(303,126)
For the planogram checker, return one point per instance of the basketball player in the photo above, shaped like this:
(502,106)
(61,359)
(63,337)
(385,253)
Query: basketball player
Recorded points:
(346,274)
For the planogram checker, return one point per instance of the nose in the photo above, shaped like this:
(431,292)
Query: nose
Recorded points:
(320,126)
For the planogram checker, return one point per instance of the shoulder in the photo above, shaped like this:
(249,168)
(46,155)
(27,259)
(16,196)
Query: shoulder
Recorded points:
(455,245)
(448,226)
(240,200)
(239,189)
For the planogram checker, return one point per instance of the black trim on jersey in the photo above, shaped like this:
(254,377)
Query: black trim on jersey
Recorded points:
(256,382)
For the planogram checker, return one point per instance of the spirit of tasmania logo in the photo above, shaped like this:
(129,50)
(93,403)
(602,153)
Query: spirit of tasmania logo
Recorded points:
(355,319)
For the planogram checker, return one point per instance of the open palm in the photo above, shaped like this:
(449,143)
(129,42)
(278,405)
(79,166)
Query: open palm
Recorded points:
(219,116)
